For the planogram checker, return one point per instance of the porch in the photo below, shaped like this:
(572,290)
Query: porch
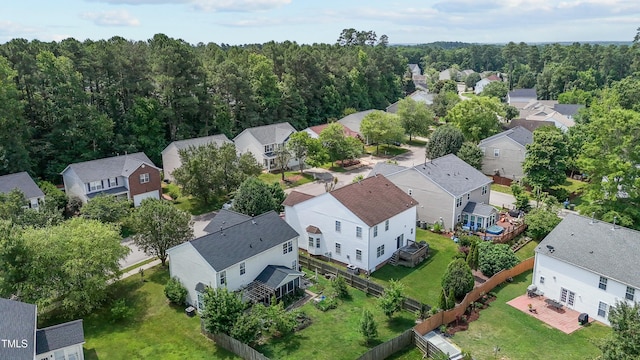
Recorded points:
(275,281)
(557,315)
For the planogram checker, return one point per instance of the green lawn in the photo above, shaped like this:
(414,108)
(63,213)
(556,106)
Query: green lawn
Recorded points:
(190,204)
(422,282)
(520,336)
(385,150)
(527,251)
(329,166)
(334,334)
(294,178)
(501,189)
(156,331)
(415,142)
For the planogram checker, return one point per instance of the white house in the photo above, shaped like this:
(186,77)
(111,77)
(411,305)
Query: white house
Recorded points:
(171,154)
(479,86)
(132,176)
(588,265)
(264,141)
(23,182)
(20,340)
(360,224)
(258,255)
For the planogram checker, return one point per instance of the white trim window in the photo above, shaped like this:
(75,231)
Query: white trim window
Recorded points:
(287,247)
(223,278)
(243,268)
(338,248)
(144,178)
(496,152)
(95,186)
(317,243)
(602,309)
(310,242)
(386,225)
(358,255)
(380,250)
(338,226)
(294,265)
(485,189)
(603,283)
(459,202)
(200,300)
(375,231)
(630,294)
(358,232)
(113,182)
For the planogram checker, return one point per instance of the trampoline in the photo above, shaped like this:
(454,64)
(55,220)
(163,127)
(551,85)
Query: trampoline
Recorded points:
(495,229)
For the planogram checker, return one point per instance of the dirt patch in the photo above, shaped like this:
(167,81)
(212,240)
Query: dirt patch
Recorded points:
(292,179)
(462,323)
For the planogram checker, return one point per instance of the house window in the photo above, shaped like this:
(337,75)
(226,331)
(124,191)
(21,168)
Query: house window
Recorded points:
(294,264)
(338,226)
(386,225)
(496,152)
(223,278)
(380,250)
(602,309)
(458,202)
(410,192)
(268,148)
(631,292)
(458,218)
(375,231)
(358,231)
(317,243)
(95,185)
(144,178)
(242,268)
(113,182)
(603,283)
(200,300)
(541,280)
(358,254)
(287,247)
(338,248)
(468,196)
(310,242)
(484,189)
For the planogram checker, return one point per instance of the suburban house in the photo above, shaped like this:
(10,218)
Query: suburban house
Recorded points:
(23,182)
(520,97)
(171,154)
(530,125)
(415,73)
(588,265)
(20,340)
(449,191)
(477,89)
(314,131)
(414,69)
(264,141)
(353,121)
(360,224)
(420,96)
(544,110)
(568,110)
(131,176)
(455,75)
(258,255)
(504,153)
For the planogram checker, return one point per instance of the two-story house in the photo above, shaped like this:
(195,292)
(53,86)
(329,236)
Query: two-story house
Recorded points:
(171,154)
(449,191)
(132,176)
(20,340)
(264,141)
(504,153)
(360,224)
(23,182)
(257,255)
(588,265)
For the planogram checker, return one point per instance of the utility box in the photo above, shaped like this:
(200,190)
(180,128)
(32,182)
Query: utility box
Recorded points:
(583,319)
(353,269)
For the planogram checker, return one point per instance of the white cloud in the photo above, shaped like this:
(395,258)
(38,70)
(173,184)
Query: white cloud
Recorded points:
(238,5)
(111,18)
(141,2)
(12,28)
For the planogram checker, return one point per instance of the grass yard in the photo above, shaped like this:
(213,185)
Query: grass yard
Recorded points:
(294,178)
(385,150)
(155,331)
(422,282)
(416,142)
(188,203)
(527,251)
(520,336)
(334,334)
(329,166)
(501,189)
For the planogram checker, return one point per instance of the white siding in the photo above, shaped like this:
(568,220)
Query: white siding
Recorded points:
(69,350)
(558,274)
(245,142)
(186,264)
(73,186)
(170,161)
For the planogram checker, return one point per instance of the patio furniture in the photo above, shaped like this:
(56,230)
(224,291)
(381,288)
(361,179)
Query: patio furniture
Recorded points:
(533,291)
(553,304)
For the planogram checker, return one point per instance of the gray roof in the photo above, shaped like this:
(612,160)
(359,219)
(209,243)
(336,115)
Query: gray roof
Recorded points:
(239,242)
(18,322)
(518,134)
(479,209)
(530,125)
(420,96)
(526,93)
(224,219)
(100,169)
(453,174)
(385,169)
(273,275)
(567,109)
(59,336)
(597,247)
(353,121)
(270,134)
(21,181)
(219,140)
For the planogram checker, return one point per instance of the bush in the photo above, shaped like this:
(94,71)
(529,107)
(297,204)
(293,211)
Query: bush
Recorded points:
(339,286)
(175,292)
(458,278)
(437,228)
(368,327)
(492,258)
(120,311)
(327,304)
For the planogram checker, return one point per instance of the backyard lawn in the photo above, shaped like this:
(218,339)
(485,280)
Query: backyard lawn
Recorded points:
(422,282)
(527,251)
(385,150)
(156,330)
(334,334)
(520,336)
(188,203)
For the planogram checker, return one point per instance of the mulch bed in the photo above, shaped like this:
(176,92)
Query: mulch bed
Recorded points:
(473,315)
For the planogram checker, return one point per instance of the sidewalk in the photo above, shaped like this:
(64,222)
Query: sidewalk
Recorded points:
(136,271)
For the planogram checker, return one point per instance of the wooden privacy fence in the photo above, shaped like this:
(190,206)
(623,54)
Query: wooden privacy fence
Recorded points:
(235,346)
(510,233)
(358,282)
(390,347)
(445,317)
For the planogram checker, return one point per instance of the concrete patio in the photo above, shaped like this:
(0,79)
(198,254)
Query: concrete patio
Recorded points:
(565,319)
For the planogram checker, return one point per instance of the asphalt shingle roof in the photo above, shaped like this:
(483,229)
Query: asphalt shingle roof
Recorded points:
(273,275)
(385,169)
(567,109)
(518,134)
(530,125)
(18,321)
(224,219)
(271,134)
(596,246)
(21,181)
(528,93)
(374,199)
(59,336)
(453,174)
(239,242)
(296,197)
(479,209)
(101,169)
(353,121)
(219,139)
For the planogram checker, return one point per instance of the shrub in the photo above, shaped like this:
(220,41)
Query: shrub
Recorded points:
(437,228)
(493,258)
(327,304)
(458,278)
(368,327)
(339,286)
(247,328)
(120,311)
(175,292)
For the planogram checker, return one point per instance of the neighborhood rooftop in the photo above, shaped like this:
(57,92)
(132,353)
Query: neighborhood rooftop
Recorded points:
(241,241)
(59,336)
(518,134)
(273,275)
(21,181)
(296,197)
(105,168)
(219,139)
(523,93)
(598,246)
(353,121)
(224,219)
(374,199)
(453,175)
(18,322)
(271,134)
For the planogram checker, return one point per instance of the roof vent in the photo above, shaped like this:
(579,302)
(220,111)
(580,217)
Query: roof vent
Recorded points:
(250,245)
(551,248)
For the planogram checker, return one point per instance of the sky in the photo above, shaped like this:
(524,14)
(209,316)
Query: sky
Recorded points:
(237,22)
